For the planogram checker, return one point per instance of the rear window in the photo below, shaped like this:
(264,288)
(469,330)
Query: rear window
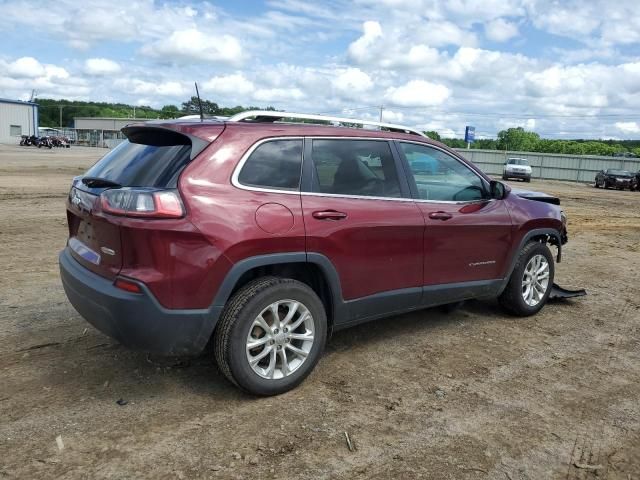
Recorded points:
(141,165)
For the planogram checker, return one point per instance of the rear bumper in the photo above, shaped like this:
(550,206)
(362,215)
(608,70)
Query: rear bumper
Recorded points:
(136,320)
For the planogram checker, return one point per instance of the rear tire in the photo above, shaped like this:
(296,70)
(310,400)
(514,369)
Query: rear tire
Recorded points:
(284,361)
(516,298)
(595,184)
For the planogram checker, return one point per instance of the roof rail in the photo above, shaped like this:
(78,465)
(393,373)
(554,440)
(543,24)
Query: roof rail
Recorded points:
(273,116)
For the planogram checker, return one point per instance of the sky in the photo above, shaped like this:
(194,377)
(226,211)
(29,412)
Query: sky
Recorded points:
(564,69)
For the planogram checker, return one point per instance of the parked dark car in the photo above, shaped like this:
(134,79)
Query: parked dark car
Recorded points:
(262,238)
(635,182)
(613,178)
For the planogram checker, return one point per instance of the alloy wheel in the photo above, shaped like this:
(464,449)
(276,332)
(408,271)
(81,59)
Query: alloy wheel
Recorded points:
(280,339)
(535,280)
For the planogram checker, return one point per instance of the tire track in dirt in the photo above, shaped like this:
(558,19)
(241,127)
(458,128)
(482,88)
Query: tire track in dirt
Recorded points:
(588,459)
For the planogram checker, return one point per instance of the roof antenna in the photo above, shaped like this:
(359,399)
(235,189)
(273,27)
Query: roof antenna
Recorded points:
(199,103)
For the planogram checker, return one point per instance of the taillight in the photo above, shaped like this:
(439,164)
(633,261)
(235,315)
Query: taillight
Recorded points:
(133,202)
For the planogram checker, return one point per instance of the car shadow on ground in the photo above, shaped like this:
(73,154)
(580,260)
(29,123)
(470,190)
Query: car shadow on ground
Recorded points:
(94,366)
(418,322)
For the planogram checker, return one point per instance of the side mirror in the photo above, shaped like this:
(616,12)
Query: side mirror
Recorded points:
(498,190)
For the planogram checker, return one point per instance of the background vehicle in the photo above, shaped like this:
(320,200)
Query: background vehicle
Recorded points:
(517,168)
(265,238)
(612,178)
(635,182)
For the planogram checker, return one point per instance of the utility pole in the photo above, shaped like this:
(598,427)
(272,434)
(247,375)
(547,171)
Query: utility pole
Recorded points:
(381,110)
(134,113)
(60,107)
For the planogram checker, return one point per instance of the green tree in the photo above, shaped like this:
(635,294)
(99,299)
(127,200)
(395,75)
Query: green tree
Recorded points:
(433,135)
(170,111)
(517,139)
(192,107)
(484,144)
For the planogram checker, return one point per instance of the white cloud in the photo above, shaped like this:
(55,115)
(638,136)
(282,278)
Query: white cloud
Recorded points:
(192,45)
(352,81)
(148,88)
(26,67)
(628,127)
(347,55)
(234,84)
(500,30)
(390,116)
(475,11)
(101,66)
(417,93)
(278,94)
(361,49)
(596,22)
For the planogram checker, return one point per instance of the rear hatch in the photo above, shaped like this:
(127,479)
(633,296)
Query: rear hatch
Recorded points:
(150,158)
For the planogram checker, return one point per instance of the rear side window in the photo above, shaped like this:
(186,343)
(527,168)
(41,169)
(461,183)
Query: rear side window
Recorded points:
(355,167)
(274,164)
(144,165)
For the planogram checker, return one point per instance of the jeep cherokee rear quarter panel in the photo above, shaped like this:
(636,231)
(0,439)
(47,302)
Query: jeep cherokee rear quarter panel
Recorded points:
(226,215)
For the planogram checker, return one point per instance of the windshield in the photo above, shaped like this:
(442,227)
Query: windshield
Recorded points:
(619,172)
(139,165)
(518,161)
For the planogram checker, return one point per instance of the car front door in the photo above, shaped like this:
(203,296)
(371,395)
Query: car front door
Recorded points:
(467,235)
(358,214)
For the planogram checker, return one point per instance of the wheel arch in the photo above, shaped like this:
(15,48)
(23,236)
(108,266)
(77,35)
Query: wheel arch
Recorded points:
(545,235)
(313,269)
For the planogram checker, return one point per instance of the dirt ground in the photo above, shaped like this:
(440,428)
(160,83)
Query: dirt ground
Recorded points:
(471,394)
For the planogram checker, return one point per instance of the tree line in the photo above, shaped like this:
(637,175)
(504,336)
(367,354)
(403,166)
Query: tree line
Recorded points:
(55,113)
(519,140)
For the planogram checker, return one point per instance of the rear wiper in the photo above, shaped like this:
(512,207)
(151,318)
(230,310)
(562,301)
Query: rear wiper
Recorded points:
(99,182)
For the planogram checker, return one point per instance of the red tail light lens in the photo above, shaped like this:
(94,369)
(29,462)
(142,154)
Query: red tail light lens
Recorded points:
(127,285)
(132,202)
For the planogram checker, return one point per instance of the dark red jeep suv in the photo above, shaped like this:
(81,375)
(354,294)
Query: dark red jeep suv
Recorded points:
(262,237)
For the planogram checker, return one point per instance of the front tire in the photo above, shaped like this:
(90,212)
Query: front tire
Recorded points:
(530,282)
(271,335)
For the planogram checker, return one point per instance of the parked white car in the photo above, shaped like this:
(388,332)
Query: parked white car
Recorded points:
(517,168)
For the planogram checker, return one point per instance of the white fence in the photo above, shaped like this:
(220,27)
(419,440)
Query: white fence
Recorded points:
(552,166)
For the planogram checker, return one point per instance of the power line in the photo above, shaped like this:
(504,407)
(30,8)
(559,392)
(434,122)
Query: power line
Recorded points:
(422,109)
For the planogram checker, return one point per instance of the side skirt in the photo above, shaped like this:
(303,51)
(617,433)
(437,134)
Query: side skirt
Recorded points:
(396,302)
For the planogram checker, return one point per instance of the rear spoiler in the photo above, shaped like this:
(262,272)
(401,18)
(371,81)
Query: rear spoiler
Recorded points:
(163,137)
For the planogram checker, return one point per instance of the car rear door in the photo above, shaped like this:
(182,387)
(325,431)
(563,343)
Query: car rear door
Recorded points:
(358,214)
(467,235)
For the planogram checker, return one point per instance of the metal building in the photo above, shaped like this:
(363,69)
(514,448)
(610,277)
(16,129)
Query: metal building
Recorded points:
(16,119)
